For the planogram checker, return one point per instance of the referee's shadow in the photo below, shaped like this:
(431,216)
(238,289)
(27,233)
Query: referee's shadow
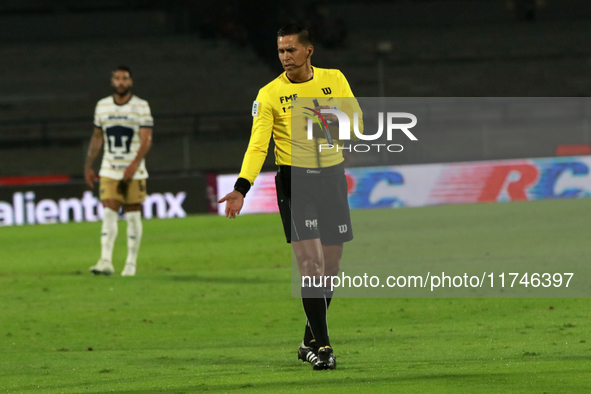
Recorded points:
(222,279)
(339,380)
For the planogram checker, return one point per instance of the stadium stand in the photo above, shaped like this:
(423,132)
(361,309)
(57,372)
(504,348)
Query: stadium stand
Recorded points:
(201,88)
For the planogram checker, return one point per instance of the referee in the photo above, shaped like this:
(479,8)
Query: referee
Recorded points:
(317,222)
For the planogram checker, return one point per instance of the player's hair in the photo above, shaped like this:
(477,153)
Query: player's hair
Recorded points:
(123,68)
(304,36)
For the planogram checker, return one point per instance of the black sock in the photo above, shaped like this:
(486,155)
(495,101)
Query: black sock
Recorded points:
(328,296)
(308,336)
(315,308)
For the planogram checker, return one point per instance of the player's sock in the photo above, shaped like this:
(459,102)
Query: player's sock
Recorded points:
(108,234)
(134,236)
(308,336)
(328,296)
(315,308)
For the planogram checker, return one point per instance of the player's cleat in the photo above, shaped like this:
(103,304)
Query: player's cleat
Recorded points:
(102,267)
(129,270)
(326,359)
(308,354)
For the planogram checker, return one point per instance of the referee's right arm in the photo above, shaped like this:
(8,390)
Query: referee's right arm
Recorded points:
(262,129)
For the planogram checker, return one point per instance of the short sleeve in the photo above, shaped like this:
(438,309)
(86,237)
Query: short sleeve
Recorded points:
(97,118)
(146,119)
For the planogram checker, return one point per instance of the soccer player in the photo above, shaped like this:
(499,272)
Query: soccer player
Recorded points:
(316,235)
(123,124)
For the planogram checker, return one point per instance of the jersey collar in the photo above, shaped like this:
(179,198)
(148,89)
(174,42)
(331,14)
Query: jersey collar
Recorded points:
(289,80)
(115,102)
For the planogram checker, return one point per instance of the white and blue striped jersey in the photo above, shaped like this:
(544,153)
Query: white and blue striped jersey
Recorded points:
(121,133)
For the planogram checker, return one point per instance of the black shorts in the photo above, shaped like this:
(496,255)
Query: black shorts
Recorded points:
(313,204)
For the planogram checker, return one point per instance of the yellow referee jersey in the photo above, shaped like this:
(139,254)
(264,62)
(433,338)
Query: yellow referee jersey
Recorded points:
(272,115)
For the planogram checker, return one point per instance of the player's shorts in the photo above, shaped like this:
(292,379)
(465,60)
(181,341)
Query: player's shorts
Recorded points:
(133,192)
(313,204)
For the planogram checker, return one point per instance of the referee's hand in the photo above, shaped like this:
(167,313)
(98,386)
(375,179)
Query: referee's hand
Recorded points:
(328,117)
(234,201)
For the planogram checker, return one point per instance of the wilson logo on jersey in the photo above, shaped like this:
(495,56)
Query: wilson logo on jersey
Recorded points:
(326,90)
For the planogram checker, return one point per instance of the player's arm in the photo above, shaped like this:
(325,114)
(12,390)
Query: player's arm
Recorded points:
(145,145)
(96,143)
(262,129)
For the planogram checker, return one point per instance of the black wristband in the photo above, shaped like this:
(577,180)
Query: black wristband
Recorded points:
(242,185)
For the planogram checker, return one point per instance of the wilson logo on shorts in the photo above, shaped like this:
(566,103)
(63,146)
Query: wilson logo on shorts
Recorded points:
(342,228)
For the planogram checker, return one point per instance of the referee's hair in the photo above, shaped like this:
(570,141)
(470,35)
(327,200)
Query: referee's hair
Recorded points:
(304,36)
(122,67)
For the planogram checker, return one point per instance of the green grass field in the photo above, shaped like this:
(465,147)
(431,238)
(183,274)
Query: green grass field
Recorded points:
(210,310)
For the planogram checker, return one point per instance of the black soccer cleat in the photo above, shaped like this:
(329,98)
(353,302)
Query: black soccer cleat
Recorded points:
(308,354)
(326,359)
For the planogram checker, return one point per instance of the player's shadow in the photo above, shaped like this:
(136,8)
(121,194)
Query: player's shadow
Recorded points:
(337,380)
(222,279)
